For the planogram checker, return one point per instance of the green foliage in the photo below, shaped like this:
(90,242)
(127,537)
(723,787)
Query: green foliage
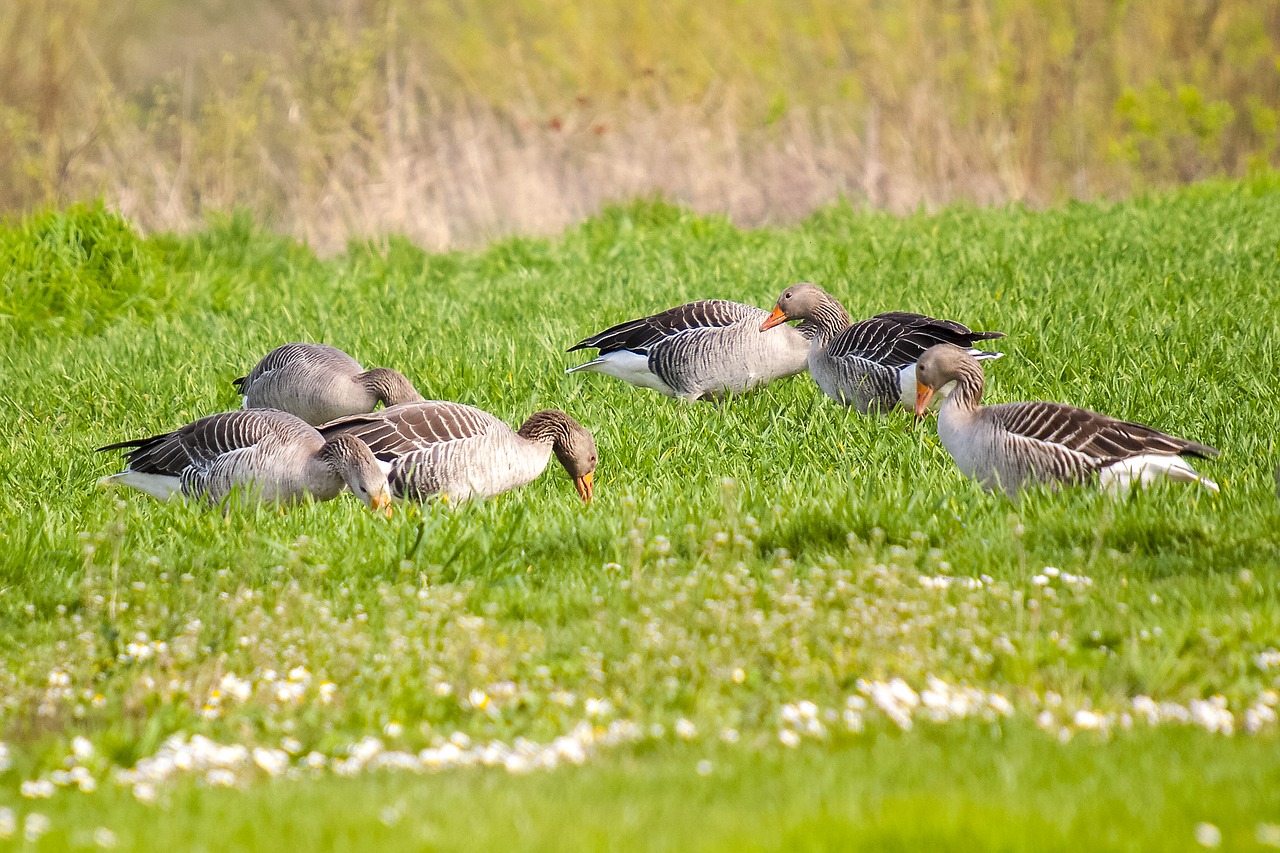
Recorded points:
(739,557)
(74,271)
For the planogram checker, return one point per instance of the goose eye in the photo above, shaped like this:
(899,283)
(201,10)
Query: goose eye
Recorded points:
(786,295)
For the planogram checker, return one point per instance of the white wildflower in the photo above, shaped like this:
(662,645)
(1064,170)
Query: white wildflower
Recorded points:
(36,789)
(81,748)
(35,826)
(1208,835)
(273,762)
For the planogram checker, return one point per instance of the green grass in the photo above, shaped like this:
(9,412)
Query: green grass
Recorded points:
(739,558)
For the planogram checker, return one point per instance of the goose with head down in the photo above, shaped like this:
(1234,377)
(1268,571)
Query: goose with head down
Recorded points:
(259,454)
(702,350)
(460,452)
(871,364)
(1013,445)
(318,383)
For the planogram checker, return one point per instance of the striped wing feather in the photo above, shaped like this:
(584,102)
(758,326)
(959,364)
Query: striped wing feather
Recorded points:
(899,338)
(639,335)
(399,430)
(201,442)
(289,354)
(1089,433)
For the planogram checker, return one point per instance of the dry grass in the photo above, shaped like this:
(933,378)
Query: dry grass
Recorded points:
(337,118)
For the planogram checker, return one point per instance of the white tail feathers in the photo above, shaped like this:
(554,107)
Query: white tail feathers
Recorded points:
(158,486)
(632,367)
(1146,469)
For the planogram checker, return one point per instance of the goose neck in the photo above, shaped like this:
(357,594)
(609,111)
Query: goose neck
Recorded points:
(827,318)
(966,396)
(544,428)
(389,386)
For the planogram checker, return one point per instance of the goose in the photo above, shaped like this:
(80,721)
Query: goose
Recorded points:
(264,454)
(318,383)
(870,364)
(460,452)
(702,350)
(1015,444)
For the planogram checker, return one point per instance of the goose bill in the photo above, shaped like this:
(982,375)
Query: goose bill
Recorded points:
(381,502)
(584,487)
(777,318)
(923,395)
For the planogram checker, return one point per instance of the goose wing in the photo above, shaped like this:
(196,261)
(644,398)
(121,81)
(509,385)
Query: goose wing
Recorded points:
(289,355)
(409,427)
(201,442)
(899,338)
(1089,433)
(639,335)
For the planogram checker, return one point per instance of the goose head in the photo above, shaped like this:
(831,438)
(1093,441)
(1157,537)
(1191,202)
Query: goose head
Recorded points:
(572,443)
(352,459)
(940,365)
(802,301)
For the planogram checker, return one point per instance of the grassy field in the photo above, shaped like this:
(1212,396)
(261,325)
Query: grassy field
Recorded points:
(780,625)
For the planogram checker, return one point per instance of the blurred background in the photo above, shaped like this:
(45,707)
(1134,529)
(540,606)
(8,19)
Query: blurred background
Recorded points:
(452,121)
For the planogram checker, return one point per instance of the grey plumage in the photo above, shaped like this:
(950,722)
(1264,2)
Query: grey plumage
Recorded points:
(262,454)
(461,452)
(318,383)
(1012,445)
(701,350)
(869,365)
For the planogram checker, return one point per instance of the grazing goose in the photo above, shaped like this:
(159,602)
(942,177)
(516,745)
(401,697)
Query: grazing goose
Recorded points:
(266,454)
(870,364)
(698,351)
(462,452)
(318,383)
(1014,444)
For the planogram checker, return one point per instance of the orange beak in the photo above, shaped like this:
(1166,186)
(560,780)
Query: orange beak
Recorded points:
(584,486)
(382,502)
(777,318)
(923,395)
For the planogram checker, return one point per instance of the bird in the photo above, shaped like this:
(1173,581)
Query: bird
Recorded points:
(460,452)
(871,364)
(261,454)
(319,383)
(703,350)
(1012,445)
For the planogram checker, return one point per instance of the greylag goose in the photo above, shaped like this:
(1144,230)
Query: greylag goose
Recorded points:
(698,351)
(1014,444)
(318,383)
(461,452)
(870,364)
(265,454)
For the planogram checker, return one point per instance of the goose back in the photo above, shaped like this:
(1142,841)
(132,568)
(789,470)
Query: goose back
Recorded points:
(698,351)
(319,383)
(266,454)
(445,448)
